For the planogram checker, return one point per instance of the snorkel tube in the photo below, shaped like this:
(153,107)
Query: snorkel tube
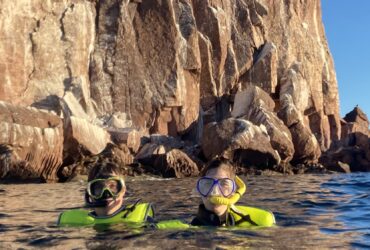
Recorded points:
(218,200)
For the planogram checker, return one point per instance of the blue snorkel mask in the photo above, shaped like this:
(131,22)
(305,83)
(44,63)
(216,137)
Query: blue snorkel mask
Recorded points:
(230,191)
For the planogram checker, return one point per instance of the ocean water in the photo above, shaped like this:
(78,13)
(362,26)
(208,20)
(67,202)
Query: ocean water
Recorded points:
(312,212)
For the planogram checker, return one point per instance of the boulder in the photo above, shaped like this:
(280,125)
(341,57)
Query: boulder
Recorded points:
(119,155)
(175,164)
(149,152)
(354,147)
(31,143)
(127,136)
(81,133)
(306,147)
(255,105)
(240,141)
(354,157)
(355,121)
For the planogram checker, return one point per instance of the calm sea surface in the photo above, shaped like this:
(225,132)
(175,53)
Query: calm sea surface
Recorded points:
(312,212)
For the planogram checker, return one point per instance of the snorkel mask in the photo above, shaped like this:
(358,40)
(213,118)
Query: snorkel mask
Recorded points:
(225,187)
(98,191)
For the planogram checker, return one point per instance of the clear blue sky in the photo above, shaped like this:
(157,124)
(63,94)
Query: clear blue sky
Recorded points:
(347,27)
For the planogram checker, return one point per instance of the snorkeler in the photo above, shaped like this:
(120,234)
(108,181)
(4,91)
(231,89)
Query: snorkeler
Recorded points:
(220,189)
(104,193)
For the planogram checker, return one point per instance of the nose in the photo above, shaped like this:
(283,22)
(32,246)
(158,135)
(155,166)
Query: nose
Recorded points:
(215,191)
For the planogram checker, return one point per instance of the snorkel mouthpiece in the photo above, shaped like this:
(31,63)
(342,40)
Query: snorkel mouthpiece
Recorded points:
(219,200)
(94,203)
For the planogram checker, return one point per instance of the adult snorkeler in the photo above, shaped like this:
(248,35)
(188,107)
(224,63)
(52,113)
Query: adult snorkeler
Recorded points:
(104,194)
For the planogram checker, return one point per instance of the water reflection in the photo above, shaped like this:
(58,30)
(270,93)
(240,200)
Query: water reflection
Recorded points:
(312,211)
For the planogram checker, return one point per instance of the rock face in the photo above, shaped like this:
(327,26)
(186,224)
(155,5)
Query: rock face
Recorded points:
(159,61)
(31,143)
(170,67)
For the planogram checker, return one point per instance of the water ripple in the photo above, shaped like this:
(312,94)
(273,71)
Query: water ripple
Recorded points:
(312,211)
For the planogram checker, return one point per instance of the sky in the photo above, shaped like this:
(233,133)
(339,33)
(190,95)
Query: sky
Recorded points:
(347,28)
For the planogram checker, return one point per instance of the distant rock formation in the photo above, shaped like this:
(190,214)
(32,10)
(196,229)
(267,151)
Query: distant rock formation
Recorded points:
(352,152)
(171,67)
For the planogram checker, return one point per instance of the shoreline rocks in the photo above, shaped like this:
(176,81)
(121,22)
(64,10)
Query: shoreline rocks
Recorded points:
(163,86)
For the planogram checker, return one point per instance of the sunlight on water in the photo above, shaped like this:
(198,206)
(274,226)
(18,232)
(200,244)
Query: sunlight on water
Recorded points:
(312,211)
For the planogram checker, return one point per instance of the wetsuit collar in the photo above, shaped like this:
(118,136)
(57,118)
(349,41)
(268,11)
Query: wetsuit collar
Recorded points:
(209,218)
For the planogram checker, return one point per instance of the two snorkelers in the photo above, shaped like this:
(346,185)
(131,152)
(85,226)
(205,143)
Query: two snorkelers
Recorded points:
(219,188)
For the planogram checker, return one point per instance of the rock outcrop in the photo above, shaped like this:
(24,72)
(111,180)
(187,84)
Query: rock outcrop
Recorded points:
(31,143)
(166,156)
(170,67)
(352,152)
(240,141)
(255,105)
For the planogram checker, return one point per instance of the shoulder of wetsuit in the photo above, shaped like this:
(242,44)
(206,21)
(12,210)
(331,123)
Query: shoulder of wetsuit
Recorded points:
(173,224)
(133,213)
(246,216)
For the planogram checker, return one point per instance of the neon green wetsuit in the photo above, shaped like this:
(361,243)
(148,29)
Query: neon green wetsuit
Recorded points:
(238,216)
(136,213)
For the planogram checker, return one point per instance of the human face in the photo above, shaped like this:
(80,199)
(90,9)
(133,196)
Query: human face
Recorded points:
(216,173)
(117,189)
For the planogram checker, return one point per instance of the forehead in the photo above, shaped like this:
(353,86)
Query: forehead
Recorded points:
(220,172)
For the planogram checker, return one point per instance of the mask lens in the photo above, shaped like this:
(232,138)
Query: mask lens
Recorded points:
(226,186)
(205,186)
(114,186)
(96,187)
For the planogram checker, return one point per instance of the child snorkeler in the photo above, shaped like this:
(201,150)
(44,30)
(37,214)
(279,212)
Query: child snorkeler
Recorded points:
(220,189)
(104,193)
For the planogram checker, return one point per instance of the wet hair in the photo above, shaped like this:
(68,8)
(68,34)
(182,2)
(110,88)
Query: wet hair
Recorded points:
(101,169)
(220,162)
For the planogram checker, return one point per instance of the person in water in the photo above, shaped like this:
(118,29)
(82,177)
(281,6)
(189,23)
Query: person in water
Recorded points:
(105,193)
(220,189)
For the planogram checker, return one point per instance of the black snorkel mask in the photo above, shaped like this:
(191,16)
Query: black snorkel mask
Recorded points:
(98,191)
(102,202)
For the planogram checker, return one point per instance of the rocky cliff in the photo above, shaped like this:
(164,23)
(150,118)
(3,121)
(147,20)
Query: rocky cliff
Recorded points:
(171,67)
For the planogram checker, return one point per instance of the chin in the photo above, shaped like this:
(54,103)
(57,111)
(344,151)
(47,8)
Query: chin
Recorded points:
(113,203)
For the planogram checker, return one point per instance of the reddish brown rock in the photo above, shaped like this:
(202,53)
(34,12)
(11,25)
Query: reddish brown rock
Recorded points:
(264,70)
(175,163)
(34,34)
(149,152)
(128,136)
(354,147)
(81,133)
(355,121)
(240,141)
(292,101)
(161,63)
(32,143)
(255,105)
